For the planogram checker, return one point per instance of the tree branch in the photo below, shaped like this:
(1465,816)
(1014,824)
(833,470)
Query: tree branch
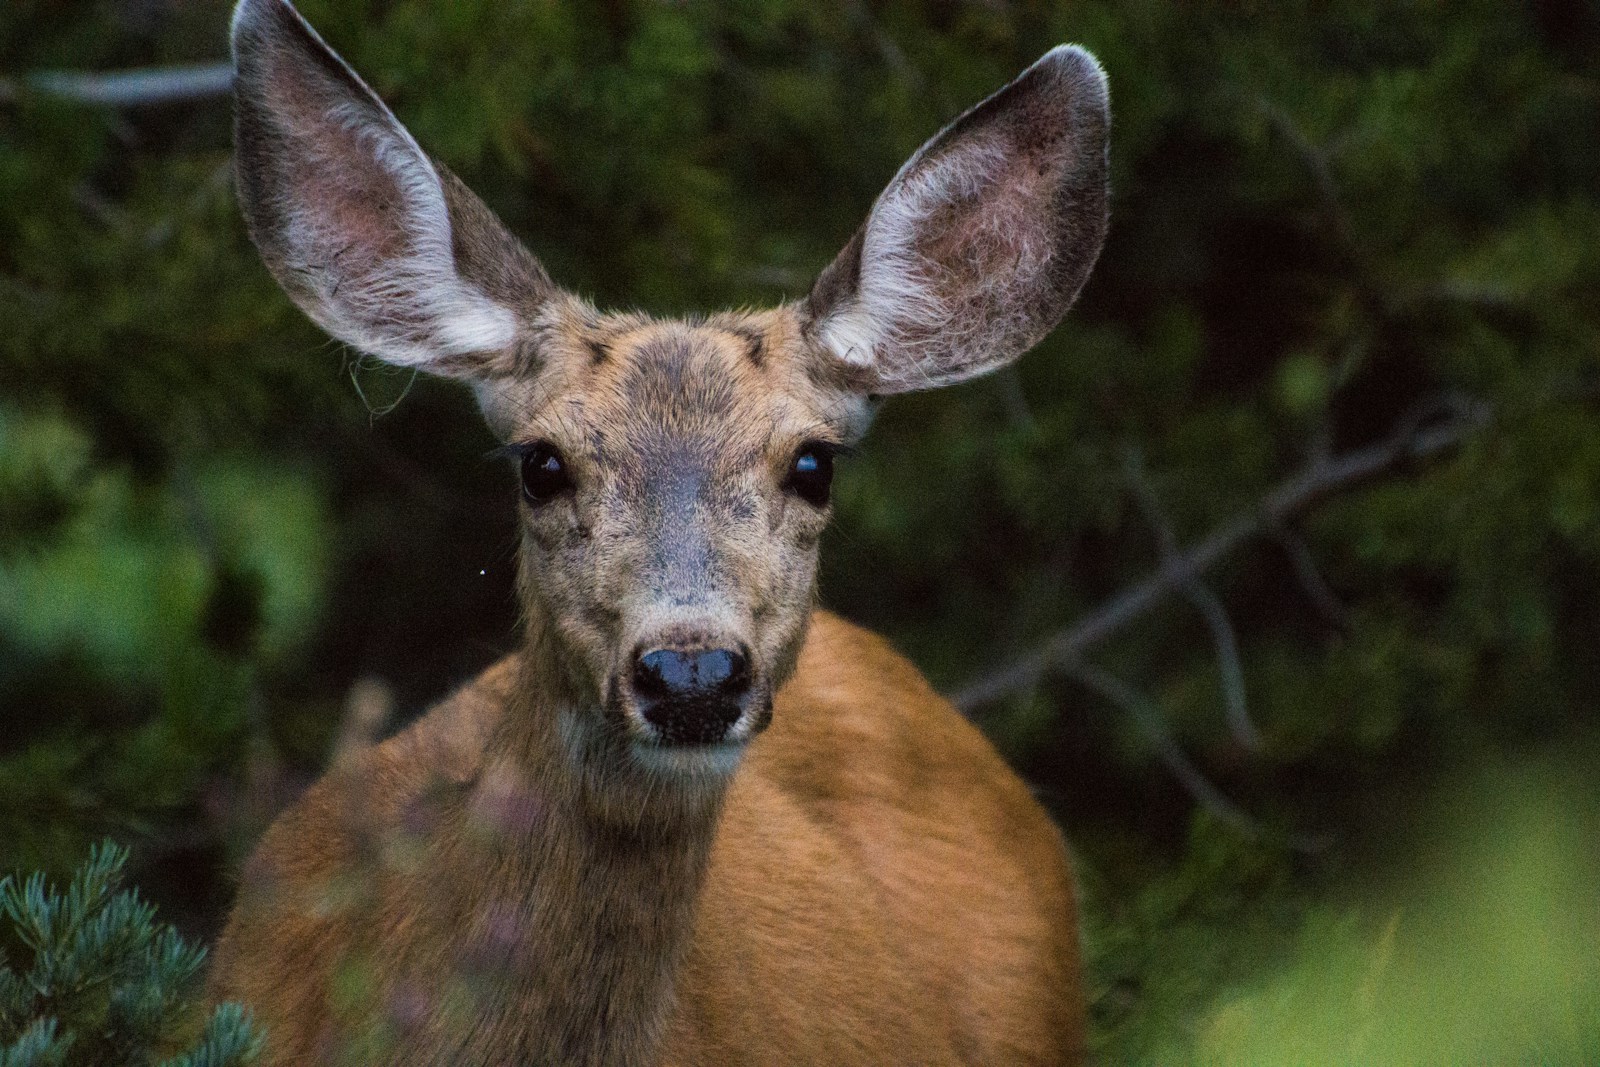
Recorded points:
(1139,708)
(1315,160)
(126,88)
(1207,603)
(1410,442)
(1316,587)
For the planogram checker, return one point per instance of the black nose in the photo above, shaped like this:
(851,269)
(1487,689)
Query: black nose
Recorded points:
(691,698)
(666,673)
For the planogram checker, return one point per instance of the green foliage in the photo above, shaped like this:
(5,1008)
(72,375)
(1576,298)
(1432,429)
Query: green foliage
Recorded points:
(100,981)
(1480,951)
(1326,217)
(143,614)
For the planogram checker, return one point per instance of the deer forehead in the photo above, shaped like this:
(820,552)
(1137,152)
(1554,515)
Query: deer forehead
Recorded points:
(731,390)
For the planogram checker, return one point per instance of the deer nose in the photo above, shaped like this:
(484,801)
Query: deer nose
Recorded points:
(691,697)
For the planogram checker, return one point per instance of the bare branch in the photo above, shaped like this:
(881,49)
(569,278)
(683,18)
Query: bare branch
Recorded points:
(1229,665)
(1293,495)
(126,88)
(163,231)
(860,14)
(1316,163)
(1316,587)
(1149,719)
(1205,601)
(1336,216)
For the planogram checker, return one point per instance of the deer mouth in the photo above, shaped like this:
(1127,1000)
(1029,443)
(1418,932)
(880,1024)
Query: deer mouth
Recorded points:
(695,732)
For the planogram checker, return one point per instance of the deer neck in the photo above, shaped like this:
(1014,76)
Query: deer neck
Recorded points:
(589,874)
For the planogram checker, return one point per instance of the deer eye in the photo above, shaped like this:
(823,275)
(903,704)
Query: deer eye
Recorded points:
(544,474)
(811,474)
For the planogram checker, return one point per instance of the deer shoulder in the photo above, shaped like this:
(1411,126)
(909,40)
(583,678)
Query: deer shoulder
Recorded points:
(893,868)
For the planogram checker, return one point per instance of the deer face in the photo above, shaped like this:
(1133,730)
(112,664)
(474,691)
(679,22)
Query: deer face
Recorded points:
(674,489)
(674,474)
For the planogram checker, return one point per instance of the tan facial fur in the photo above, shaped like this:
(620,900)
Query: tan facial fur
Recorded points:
(679,530)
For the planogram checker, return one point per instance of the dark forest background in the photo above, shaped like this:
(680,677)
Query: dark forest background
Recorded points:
(1275,569)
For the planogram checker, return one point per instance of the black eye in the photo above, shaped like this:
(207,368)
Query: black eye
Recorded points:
(544,474)
(812,474)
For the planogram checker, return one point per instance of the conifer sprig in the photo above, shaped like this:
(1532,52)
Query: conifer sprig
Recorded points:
(102,982)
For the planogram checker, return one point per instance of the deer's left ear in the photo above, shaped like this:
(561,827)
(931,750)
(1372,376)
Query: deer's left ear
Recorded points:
(981,242)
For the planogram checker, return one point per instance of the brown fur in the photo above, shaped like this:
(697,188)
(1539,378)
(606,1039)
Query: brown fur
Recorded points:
(536,871)
(879,889)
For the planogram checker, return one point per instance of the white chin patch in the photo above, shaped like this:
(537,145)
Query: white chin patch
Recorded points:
(689,761)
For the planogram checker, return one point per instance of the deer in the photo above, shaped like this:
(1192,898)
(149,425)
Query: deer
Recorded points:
(693,819)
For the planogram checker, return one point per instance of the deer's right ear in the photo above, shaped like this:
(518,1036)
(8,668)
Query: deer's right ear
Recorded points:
(382,248)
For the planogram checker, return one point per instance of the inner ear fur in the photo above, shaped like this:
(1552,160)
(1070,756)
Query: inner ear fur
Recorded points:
(382,247)
(981,242)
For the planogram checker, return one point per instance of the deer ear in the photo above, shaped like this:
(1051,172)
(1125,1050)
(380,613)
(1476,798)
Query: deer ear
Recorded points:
(380,246)
(981,242)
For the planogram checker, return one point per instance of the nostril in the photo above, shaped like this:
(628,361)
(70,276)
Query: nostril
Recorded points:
(659,673)
(724,670)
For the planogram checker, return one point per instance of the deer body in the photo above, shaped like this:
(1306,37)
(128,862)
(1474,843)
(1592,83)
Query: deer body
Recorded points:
(692,821)
(876,888)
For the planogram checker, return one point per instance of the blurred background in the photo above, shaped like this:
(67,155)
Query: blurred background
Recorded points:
(1275,569)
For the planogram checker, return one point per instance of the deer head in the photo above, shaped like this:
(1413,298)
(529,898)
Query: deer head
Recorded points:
(675,474)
